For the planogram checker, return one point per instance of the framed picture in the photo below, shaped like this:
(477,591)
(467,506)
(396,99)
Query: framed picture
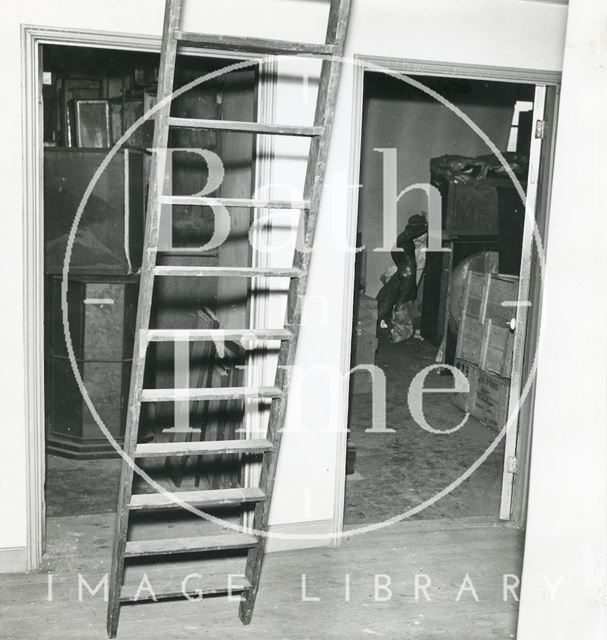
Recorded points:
(89,123)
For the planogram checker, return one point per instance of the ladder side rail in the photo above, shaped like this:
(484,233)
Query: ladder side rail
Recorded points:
(173,10)
(319,150)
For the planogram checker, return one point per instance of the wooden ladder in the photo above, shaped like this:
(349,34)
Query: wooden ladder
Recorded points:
(331,53)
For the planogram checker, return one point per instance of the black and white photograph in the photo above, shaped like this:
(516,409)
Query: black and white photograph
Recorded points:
(305,320)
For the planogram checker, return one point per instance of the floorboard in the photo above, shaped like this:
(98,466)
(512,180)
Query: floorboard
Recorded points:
(400,470)
(445,550)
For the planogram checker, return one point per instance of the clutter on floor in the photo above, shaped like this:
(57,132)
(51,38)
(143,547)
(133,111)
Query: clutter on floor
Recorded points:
(398,471)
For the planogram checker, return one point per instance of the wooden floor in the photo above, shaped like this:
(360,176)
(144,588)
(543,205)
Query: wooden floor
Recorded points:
(443,550)
(400,470)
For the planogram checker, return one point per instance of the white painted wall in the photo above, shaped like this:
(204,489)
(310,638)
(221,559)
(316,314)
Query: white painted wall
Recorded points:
(489,32)
(517,34)
(567,521)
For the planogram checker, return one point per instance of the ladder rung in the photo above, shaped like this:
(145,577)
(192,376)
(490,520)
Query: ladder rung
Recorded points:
(131,595)
(254,45)
(183,251)
(170,546)
(219,335)
(233,272)
(199,201)
(213,447)
(247,127)
(202,499)
(220,393)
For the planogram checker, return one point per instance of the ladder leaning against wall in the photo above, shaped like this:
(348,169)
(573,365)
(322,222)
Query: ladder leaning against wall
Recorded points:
(267,448)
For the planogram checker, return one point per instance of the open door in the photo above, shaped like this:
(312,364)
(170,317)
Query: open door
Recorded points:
(522,305)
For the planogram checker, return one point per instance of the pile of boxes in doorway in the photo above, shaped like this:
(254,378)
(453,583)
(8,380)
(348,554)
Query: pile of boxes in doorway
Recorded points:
(485,347)
(460,298)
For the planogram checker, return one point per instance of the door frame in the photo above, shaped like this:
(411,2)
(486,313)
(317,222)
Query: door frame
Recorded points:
(33,232)
(521,313)
(552,80)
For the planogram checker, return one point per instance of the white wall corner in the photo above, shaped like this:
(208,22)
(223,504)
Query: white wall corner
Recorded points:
(13,560)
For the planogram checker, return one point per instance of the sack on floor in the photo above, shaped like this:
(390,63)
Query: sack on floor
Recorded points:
(401,323)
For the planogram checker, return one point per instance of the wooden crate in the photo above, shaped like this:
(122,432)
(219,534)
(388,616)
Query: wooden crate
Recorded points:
(485,346)
(490,400)
(464,400)
(470,335)
(437,281)
(485,338)
(487,399)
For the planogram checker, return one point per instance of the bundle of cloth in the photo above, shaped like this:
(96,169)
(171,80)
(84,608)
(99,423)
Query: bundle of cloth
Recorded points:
(466,170)
(395,299)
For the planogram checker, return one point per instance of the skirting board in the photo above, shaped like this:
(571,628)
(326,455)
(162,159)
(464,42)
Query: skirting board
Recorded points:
(312,527)
(13,560)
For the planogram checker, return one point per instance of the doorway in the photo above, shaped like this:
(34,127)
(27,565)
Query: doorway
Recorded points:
(91,96)
(416,310)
